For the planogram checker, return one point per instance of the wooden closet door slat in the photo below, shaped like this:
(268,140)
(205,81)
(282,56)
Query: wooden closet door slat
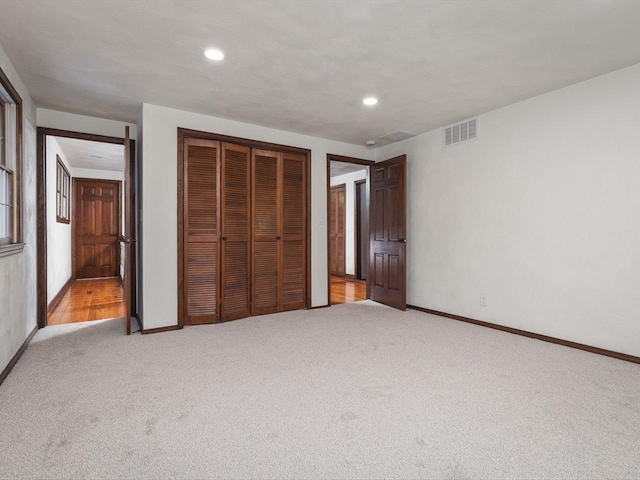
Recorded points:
(201,164)
(235,230)
(293,267)
(266,244)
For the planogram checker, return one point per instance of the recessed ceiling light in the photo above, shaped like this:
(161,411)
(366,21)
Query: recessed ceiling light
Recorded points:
(214,54)
(370,101)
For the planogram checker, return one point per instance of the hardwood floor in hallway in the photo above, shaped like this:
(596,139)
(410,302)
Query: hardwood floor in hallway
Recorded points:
(344,290)
(86,300)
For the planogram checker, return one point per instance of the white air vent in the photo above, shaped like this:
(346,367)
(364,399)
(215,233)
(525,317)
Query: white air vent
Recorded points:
(398,136)
(461,132)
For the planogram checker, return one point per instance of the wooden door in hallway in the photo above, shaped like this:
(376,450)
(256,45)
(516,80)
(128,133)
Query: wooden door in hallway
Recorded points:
(337,228)
(97,227)
(129,232)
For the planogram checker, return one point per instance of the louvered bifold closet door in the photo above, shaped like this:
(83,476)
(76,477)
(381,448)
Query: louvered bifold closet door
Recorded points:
(266,231)
(235,231)
(293,266)
(202,175)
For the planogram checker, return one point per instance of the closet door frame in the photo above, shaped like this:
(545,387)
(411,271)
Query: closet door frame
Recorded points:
(184,133)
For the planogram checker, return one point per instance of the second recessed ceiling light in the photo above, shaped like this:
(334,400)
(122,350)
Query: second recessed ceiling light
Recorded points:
(370,101)
(214,54)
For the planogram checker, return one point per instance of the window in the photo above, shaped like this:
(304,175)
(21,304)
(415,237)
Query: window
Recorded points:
(63,179)
(10,157)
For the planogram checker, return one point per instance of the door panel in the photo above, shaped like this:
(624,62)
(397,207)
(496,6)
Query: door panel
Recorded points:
(235,228)
(378,217)
(98,227)
(267,232)
(201,279)
(293,259)
(265,278)
(337,230)
(387,241)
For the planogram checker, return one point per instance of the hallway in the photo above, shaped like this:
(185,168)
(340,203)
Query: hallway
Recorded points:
(86,300)
(344,290)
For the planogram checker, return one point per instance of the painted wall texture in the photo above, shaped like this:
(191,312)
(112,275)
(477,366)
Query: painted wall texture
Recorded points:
(18,272)
(540,214)
(58,234)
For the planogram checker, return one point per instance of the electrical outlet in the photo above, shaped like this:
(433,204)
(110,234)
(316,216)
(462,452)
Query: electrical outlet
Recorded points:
(483,300)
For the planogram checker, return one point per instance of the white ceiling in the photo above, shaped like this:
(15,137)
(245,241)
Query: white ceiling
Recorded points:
(79,154)
(342,168)
(304,66)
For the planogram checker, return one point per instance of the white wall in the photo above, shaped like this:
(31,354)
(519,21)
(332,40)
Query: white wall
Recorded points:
(84,124)
(159,196)
(349,180)
(18,272)
(58,234)
(541,214)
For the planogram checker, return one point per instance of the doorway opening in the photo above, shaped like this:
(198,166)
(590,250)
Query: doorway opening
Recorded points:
(347,228)
(86,196)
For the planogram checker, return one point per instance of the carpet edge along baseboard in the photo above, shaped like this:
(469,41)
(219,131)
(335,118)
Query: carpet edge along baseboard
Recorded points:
(558,341)
(18,354)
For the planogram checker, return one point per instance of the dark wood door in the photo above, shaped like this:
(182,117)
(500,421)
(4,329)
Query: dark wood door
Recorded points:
(97,220)
(337,228)
(235,207)
(201,217)
(242,231)
(292,280)
(387,233)
(279,227)
(266,231)
(128,239)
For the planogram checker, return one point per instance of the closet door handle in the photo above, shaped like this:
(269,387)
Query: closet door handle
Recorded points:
(277,238)
(224,239)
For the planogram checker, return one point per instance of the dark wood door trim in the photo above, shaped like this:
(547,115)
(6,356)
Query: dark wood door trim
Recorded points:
(331,157)
(244,142)
(358,208)
(128,231)
(41,203)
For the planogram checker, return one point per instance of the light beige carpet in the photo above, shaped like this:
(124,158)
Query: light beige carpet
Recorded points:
(354,391)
